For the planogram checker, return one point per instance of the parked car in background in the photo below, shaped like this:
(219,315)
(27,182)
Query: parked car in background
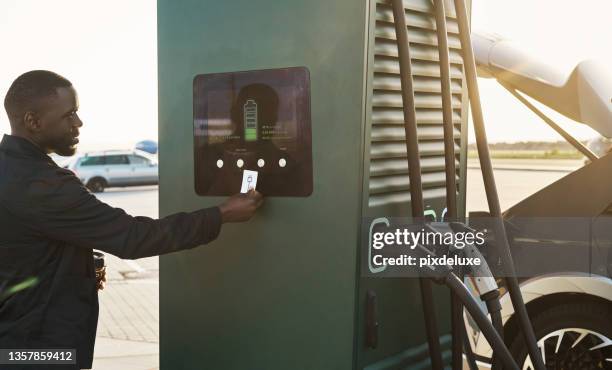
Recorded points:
(100,170)
(148,146)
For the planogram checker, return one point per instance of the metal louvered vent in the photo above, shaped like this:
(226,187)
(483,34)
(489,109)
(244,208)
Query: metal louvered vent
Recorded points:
(388,175)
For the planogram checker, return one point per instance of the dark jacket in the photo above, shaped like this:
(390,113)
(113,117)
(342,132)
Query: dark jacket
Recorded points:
(49,225)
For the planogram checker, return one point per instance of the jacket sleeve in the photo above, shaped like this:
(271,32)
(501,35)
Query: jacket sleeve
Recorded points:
(61,208)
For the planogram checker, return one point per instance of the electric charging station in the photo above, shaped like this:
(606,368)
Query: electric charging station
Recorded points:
(285,290)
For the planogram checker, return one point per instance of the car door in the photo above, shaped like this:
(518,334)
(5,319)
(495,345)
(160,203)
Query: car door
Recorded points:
(89,167)
(118,169)
(144,171)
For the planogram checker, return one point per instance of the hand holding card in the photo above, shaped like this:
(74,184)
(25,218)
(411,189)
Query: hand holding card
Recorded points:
(249,181)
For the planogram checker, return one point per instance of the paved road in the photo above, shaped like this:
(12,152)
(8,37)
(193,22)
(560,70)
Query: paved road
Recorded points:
(128,327)
(128,330)
(512,186)
(137,200)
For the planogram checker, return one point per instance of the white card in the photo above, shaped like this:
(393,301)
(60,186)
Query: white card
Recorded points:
(249,181)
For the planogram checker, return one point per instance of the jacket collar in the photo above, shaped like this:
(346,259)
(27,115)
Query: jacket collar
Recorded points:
(20,146)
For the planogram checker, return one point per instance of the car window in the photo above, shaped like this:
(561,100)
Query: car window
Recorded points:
(136,159)
(117,159)
(92,161)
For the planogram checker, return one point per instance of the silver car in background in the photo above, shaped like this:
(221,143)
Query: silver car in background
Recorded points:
(115,168)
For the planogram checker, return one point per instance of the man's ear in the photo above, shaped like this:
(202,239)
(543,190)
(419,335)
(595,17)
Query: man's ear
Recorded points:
(31,122)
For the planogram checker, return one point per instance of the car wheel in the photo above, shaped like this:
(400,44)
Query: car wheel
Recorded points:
(96,185)
(574,335)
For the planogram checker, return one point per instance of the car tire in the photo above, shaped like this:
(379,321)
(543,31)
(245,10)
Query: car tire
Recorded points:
(576,335)
(96,185)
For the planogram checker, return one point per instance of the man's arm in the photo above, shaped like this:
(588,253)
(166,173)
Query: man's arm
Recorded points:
(61,208)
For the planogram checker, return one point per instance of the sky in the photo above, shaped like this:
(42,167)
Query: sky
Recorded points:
(108,50)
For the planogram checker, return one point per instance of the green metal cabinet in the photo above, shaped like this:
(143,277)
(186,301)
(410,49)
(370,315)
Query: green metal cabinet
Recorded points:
(284,291)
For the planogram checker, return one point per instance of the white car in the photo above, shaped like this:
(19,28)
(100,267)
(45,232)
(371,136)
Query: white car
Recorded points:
(99,170)
(570,314)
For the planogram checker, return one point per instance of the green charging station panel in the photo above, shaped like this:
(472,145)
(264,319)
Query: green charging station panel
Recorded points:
(284,290)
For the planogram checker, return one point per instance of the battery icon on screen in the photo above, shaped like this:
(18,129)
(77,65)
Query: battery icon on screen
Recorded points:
(250,120)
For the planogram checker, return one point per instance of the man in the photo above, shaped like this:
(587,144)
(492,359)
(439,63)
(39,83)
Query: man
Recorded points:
(50,224)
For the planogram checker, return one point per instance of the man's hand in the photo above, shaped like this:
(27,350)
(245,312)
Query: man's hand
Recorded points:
(240,207)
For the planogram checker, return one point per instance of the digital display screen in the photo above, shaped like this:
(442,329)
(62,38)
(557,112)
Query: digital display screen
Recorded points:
(255,120)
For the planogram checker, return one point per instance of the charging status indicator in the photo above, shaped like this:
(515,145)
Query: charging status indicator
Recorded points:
(250,120)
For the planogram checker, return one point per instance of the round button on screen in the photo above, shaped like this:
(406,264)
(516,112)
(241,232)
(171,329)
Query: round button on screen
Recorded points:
(240,163)
(261,162)
(219,163)
(282,162)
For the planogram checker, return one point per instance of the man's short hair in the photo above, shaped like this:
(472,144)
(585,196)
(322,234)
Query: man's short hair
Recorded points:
(27,91)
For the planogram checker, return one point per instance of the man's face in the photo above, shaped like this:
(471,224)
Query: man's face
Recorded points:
(59,122)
